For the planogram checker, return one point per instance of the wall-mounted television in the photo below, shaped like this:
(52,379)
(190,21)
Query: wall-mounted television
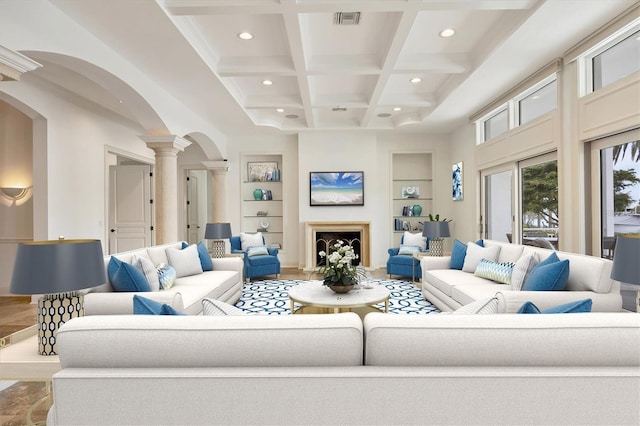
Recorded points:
(336,188)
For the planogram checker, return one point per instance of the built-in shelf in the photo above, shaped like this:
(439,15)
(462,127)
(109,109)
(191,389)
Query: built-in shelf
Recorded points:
(251,221)
(412,184)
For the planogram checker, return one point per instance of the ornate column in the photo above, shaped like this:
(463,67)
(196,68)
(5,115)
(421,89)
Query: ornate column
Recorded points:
(218,171)
(165,175)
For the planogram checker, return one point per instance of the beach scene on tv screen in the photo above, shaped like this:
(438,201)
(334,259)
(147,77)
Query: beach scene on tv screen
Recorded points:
(343,188)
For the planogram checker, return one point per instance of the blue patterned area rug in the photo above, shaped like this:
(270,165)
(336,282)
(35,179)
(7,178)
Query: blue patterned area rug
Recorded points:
(271,297)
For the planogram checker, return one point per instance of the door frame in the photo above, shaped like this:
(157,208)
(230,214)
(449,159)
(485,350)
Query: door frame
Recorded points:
(112,156)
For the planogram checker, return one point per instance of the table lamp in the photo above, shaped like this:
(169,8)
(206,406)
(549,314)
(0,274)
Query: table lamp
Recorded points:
(435,231)
(57,269)
(218,232)
(626,266)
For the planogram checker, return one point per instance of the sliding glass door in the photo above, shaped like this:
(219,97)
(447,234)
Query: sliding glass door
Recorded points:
(615,162)
(497,202)
(539,219)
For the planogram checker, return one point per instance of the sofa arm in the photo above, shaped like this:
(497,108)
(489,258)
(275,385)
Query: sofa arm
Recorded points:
(511,301)
(121,303)
(435,262)
(233,263)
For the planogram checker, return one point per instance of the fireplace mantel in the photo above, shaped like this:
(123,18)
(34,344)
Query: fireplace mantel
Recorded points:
(311,228)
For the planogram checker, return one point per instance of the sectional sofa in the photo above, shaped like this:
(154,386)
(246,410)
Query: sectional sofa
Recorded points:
(589,278)
(333,369)
(224,283)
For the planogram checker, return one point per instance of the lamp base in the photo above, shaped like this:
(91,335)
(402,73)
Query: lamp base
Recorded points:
(436,247)
(217,248)
(53,311)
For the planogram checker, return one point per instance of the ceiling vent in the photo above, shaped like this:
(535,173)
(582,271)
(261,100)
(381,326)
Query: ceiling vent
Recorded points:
(346,18)
(339,109)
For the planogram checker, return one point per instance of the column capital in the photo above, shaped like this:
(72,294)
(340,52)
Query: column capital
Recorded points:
(166,144)
(216,166)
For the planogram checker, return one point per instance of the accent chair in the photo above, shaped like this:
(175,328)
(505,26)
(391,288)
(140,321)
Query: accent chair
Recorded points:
(257,265)
(404,265)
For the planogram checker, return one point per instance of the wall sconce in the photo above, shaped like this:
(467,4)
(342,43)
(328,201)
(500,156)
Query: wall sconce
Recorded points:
(15,193)
(12,196)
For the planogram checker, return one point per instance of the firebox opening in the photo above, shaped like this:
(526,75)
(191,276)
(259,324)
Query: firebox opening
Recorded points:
(325,240)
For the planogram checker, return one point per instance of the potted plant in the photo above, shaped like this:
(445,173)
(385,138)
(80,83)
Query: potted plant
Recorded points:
(338,272)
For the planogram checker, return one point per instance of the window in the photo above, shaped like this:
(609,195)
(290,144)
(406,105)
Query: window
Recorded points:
(496,125)
(538,103)
(616,62)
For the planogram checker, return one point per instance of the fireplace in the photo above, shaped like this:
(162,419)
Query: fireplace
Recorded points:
(320,235)
(326,240)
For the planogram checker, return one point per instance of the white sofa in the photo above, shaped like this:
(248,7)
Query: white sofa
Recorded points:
(589,277)
(223,283)
(331,369)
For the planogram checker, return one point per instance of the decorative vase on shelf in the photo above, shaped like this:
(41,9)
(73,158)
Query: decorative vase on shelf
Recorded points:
(257,194)
(417,210)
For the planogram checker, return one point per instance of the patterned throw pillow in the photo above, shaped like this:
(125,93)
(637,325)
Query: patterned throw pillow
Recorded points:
(482,306)
(408,250)
(494,271)
(257,251)
(213,307)
(145,266)
(166,276)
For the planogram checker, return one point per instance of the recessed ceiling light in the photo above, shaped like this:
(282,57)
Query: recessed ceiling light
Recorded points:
(245,35)
(292,116)
(280,109)
(535,97)
(339,109)
(267,82)
(447,32)
(416,80)
(384,115)
(397,109)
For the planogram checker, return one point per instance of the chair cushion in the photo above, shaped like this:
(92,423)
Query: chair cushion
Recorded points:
(262,260)
(409,239)
(402,259)
(251,240)
(257,251)
(408,250)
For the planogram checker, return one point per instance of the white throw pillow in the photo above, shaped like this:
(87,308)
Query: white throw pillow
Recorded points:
(186,261)
(524,265)
(416,240)
(482,306)
(475,254)
(145,266)
(250,240)
(213,307)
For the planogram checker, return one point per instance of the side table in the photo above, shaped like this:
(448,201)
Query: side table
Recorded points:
(20,360)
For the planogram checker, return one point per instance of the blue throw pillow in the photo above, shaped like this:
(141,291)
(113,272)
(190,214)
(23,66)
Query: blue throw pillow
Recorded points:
(144,306)
(549,277)
(459,252)
(126,277)
(567,308)
(203,255)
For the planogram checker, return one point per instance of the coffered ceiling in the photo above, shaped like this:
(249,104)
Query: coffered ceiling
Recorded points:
(325,74)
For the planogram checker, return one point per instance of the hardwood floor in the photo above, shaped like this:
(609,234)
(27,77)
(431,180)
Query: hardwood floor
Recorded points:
(17,313)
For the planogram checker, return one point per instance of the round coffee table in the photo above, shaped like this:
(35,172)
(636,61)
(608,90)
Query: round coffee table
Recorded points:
(314,294)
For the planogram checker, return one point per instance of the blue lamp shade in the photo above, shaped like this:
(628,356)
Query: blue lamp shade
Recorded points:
(57,269)
(626,260)
(435,230)
(217,231)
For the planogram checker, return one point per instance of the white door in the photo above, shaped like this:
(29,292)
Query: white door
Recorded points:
(497,214)
(129,208)
(193,222)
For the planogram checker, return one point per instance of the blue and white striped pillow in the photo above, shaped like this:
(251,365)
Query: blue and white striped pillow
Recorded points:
(494,271)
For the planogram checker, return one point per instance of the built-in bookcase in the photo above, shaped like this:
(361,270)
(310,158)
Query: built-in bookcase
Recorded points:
(264,213)
(411,186)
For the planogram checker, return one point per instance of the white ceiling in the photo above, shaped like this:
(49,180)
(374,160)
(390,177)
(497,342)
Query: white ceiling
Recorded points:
(191,48)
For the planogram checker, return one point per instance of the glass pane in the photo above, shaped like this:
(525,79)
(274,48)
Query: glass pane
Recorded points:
(540,204)
(496,125)
(539,102)
(617,62)
(498,206)
(620,180)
